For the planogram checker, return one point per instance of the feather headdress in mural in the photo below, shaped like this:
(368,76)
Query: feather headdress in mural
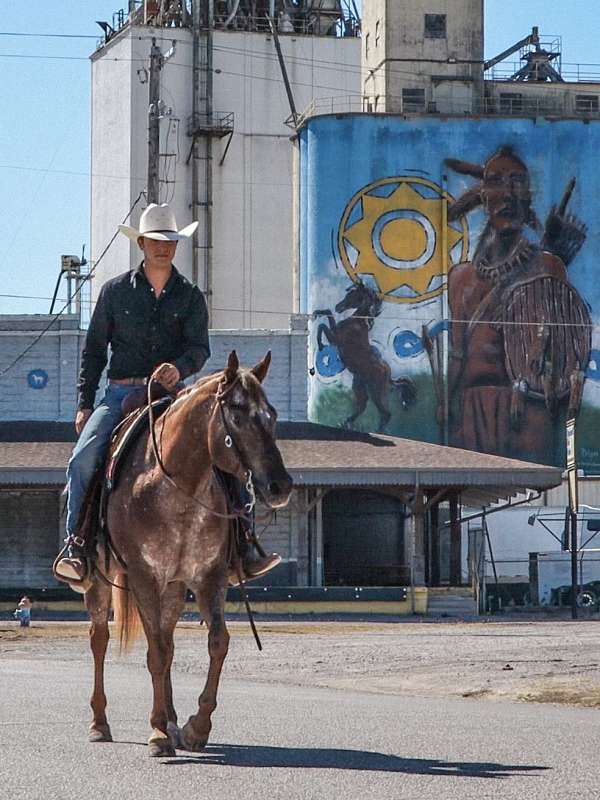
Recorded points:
(472,198)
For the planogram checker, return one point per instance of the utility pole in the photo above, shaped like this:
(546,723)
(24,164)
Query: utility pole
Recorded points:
(573,509)
(156,64)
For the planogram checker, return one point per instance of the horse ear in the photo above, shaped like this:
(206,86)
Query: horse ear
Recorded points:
(232,367)
(261,369)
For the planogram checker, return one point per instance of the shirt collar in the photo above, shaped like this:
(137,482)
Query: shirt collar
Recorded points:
(139,274)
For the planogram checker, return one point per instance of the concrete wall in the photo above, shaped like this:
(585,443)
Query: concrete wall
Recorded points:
(253,254)
(287,381)
(41,385)
(397,55)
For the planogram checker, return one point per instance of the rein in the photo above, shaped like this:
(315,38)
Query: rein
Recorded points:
(229,442)
(246,514)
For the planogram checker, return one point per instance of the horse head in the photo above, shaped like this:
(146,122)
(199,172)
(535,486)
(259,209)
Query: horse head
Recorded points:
(241,433)
(360,297)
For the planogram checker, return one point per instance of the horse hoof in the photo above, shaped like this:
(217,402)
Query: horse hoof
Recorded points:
(174,734)
(159,745)
(161,750)
(191,741)
(99,733)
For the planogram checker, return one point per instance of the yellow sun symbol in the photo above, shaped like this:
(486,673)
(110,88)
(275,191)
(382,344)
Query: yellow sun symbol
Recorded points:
(393,229)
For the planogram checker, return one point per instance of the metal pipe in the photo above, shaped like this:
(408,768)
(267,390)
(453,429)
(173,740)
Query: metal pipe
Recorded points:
(196,23)
(231,17)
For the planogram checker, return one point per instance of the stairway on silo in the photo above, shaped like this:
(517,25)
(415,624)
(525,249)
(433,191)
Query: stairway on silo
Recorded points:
(451,601)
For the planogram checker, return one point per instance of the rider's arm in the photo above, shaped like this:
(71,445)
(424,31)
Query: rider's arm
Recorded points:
(94,356)
(195,336)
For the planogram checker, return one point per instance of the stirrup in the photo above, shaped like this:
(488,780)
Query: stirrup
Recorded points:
(72,576)
(261,567)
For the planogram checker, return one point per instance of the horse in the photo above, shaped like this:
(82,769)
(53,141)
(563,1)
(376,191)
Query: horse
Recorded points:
(169,531)
(371,375)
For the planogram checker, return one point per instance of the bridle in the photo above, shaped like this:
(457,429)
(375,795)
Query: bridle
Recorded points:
(223,391)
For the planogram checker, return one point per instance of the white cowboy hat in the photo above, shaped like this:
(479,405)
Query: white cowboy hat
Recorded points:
(158,222)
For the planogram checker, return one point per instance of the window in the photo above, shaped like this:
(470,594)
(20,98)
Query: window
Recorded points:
(377,32)
(367,39)
(413,100)
(511,102)
(435,26)
(586,104)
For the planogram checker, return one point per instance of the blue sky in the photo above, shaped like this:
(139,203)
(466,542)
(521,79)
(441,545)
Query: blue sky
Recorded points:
(45,133)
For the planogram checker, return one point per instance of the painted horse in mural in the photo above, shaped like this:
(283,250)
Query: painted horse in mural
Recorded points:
(169,530)
(371,375)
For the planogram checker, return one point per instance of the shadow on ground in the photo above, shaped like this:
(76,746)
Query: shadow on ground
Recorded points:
(329,758)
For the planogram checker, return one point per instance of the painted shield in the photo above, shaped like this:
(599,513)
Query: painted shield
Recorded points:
(547,335)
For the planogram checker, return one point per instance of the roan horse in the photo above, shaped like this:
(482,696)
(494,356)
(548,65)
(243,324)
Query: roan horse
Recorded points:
(371,375)
(173,533)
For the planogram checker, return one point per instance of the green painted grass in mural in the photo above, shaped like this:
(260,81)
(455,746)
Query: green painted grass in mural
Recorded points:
(334,404)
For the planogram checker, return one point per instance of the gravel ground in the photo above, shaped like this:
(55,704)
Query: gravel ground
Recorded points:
(537,661)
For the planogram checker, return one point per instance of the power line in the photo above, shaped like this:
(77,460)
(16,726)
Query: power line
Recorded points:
(399,316)
(50,35)
(30,297)
(84,280)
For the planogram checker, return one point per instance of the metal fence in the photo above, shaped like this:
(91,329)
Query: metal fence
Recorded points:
(511,104)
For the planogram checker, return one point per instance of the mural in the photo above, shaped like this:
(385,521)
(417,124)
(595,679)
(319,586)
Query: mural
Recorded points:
(449,275)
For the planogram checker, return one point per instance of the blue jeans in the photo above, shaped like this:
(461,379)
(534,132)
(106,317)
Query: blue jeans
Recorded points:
(91,448)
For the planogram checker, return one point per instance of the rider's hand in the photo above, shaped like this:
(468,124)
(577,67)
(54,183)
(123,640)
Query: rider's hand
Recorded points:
(167,375)
(82,417)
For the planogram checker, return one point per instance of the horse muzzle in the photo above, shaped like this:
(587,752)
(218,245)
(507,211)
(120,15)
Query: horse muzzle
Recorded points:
(275,491)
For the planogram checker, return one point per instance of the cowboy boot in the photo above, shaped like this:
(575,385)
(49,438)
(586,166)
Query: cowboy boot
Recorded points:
(251,564)
(71,565)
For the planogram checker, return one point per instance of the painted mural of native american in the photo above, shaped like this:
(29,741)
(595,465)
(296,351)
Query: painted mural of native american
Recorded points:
(520,332)
(371,375)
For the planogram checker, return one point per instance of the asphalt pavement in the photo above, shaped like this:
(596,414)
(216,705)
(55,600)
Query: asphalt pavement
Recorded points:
(273,742)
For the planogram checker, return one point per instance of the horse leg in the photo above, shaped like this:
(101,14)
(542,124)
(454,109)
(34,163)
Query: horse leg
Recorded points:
(378,390)
(172,604)
(97,602)
(196,731)
(159,656)
(361,398)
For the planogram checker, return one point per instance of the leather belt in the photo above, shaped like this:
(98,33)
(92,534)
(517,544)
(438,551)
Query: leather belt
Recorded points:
(129,381)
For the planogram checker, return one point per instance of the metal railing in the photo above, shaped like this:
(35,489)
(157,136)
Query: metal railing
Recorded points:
(570,72)
(516,106)
(217,122)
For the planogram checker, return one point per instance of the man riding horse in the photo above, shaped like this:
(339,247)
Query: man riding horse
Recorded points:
(156,323)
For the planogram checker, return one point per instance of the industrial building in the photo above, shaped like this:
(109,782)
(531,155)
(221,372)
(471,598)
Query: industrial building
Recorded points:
(322,152)
(225,156)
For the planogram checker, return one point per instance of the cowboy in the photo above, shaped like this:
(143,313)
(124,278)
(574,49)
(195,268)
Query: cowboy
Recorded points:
(156,323)
(503,375)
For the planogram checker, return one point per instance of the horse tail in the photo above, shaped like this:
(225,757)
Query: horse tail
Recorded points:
(127,617)
(406,390)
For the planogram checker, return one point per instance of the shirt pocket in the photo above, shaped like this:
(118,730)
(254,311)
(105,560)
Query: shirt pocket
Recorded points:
(173,323)
(128,322)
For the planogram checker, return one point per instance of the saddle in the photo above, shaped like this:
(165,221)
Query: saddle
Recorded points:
(126,434)
(92,521)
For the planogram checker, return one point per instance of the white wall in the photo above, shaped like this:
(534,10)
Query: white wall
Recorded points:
(253,257)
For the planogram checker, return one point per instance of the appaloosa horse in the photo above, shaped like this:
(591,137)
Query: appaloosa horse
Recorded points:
(171,529)
(371,375)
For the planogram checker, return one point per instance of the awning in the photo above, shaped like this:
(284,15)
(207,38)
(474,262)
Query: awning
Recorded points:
(316,455)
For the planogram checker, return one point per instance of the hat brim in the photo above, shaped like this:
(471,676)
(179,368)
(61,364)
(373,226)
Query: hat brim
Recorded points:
(159,236)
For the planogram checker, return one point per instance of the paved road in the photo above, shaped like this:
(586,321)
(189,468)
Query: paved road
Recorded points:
(272,742)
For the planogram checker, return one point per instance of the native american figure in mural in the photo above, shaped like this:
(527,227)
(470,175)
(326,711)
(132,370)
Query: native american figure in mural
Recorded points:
(371,375)
(520,332)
